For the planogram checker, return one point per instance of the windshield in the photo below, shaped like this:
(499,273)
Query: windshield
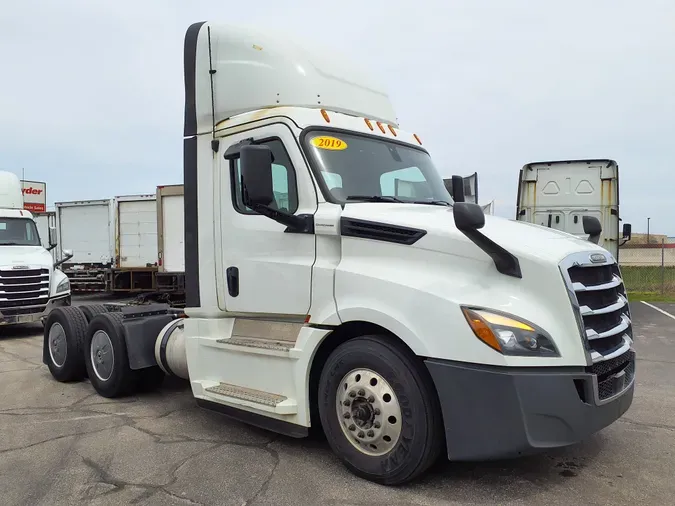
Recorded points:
(354,167)
(18,232)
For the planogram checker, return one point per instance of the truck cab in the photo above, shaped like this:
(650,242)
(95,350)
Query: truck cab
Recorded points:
(30,284)
(333,283)
(558,194)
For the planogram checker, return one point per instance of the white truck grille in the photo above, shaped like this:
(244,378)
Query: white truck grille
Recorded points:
(23,291)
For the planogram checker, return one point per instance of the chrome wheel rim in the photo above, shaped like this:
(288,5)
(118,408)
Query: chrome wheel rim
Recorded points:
(58,347)
(369,412)
(101,354)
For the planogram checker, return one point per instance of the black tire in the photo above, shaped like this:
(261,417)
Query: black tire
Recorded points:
(122,379)
(92,310)
(150,379)
(421,427)
(66,361)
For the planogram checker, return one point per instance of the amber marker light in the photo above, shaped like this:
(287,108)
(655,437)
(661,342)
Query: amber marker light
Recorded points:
(481,329)
(368,123)
(325,115)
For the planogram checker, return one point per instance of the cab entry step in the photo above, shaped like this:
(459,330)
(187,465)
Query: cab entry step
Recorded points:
(279,403)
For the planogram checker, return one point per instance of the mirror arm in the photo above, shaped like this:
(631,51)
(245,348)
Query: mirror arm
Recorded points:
(303,223)
(63,260)
(51,247)
(505,262)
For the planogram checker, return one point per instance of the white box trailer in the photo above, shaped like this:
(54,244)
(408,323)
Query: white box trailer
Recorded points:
(170,239)
(87,228)
(135,262)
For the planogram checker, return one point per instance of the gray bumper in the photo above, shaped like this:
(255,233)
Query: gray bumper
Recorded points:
(495,413)
(31,314)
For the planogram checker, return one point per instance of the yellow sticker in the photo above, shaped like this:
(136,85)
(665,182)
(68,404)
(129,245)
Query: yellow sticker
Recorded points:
(326,142)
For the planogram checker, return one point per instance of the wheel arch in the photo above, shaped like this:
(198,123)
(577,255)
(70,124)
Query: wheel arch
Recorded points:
(341,334)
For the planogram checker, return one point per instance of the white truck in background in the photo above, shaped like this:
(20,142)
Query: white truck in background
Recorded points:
(31,286)
(558,194)
(170,277)
(318,296)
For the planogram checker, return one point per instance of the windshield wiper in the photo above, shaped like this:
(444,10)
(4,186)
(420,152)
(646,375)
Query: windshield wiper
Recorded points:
(373,198)
(11,244)
(433,202)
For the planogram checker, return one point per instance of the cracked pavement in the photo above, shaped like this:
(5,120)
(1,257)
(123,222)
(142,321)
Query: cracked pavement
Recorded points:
(62,444)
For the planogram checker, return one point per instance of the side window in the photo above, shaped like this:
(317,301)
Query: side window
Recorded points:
(283,181)
(409,182)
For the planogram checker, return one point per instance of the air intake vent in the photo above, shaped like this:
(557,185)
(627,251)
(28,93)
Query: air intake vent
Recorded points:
(375,231)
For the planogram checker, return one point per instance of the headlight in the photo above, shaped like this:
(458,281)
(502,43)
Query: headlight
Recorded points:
(63,286)
(510,335)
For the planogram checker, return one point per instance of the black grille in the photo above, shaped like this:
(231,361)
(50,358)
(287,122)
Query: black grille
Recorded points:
(591,299)
(590,276)
(610,385)
(23,287)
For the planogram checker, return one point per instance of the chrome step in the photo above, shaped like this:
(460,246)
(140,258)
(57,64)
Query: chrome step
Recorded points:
(263,344)
(265,401)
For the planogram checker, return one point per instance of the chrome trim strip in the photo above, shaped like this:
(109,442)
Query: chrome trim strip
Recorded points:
(592,334)
(597,357)
(620,303)
(580,287)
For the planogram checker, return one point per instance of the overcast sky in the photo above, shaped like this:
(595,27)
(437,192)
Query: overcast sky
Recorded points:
(91,93)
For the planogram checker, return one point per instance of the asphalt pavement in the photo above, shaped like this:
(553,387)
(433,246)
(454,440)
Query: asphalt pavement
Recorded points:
(62,444)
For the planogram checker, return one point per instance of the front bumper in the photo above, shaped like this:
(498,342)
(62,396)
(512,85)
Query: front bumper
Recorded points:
(32,314)
(497,413)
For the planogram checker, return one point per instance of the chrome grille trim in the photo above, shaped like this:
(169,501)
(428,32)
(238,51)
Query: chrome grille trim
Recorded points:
(604,318)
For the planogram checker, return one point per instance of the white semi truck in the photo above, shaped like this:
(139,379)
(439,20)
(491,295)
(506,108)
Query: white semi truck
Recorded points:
(30,283)
(318,297)
(558,194)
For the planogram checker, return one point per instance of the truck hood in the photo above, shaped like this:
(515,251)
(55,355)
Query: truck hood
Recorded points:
(524,240)
(31,256)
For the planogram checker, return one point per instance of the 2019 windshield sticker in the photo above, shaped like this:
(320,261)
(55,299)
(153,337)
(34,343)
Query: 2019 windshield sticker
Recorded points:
(328,142)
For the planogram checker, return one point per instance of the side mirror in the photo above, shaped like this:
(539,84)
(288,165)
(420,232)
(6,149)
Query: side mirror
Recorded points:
(256,175)
(458,188)
(67,255)
(627,232)
(593,228)
(52,236)
(468,216)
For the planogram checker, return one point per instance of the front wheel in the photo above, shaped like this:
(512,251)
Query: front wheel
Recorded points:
(379,410)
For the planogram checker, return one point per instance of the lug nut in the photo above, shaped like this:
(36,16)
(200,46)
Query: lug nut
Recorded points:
(352,394)
(376,411)
(371,433)
(352,427)
(371,399)
(347,415)
(377,425)
(362,392)
(361,434)
(347,402)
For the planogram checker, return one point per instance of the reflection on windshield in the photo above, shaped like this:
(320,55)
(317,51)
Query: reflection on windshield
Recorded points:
(18,232)
(360,167)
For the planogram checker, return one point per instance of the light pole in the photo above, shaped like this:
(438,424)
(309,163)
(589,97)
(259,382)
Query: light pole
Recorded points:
(648,230)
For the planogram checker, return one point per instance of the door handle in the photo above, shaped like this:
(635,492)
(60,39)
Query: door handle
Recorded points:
(232,274)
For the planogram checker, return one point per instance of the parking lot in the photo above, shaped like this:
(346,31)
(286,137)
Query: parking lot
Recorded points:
(63,444)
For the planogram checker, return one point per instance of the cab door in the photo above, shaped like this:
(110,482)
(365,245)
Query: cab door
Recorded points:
(263,269)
